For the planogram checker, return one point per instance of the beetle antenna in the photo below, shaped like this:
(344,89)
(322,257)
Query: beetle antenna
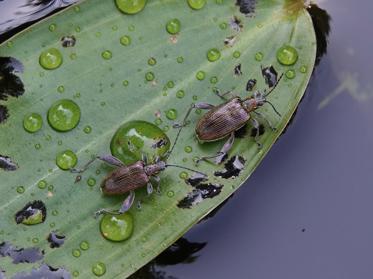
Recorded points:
(273,107)
(177,166)
(274,86)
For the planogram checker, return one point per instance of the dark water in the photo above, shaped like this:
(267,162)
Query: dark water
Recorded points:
(306,211)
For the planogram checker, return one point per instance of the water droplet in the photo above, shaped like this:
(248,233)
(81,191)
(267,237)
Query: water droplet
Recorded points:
(200,75)
(136,137)
(290,74)
(125,82)
(61,89)
(223,25)
(188,149)
(64,115)
(75,273)
(87,129)
(50,59)
(130,6)
(166,128)
(117,227)
(173,26)
(236,54)
(42,184)
(55,212)
(20,189)
(170,84)
(73,56)
(37,146)
(214,80)
(77,9)
(52,27)
(107,54)
(59,142)
(125,40)
(131,27)
(180,94)
(66,160)
(171,114)
(287,55)
(158,121)
(144,239)
(32,122)
(152,61)
(76,253)
(213,54)
(149,76)
(170,194)
(77,29)
(183,175)
(303,69)
(197,4)
(259,56)
(52,225)
(195,97)
(50,188)
(180,59)
(35,240)
(91,181)
(84,245)
(114,28)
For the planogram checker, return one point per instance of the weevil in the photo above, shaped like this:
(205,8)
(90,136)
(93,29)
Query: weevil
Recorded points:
(223,120)
(127,178)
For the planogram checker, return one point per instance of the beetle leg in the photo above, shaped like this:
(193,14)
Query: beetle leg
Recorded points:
(222,154)
(109,159)
(256,126)
(157,179)
(222,96)
(273,128)
(127,203)
(201,105)
(149,188)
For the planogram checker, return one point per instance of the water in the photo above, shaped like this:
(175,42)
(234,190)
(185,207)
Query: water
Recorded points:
(306,210)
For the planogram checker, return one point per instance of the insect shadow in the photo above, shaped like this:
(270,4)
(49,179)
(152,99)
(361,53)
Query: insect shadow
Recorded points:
(127,178)
(222,121)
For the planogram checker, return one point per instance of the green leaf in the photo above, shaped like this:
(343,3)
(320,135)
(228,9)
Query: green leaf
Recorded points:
(96,85)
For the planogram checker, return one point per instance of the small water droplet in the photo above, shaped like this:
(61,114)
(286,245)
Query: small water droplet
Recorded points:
(42,184)
(195,97)
(66,160)
(91,181)
(117,227)
(125,40)
(214,80)
(200,75)
(87,129)
(259,56)
(171,114)
(75,273)
(64,115)
(290,74)
(52,27)
(173,26)
(158,121)
(170,84)
(84,245)
(188,149)
(236,54)
(35,240)
(77,9)
(303,69)
(32,122)
(152,61)
(170,194)
(180,59)
(287,55)
(196,4)
(130,6)
(125,82)
(213,55)
(37,146)
(55,212)
(114,28)
(50,59)
(223,25)
(166,128)
(77,29)
(50,188)
(61,89)
(20,189)
(73,56)
(76,253)
(149,76)
(183,175)
(180,94)
(107,54)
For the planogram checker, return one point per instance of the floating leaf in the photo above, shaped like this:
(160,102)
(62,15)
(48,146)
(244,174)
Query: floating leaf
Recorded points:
(125,67)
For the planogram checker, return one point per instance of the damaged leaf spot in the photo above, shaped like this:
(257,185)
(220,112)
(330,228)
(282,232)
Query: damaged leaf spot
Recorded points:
(237,70)
(250,84)
(32,213)
(6,162)
(236,24)
(21,255)
(160,143)
(230,41)
(232,168)
(44,271)
(10,83)
(270,75)
(56,240)
(247,7)
(196,179)
(68,41)
(201,192)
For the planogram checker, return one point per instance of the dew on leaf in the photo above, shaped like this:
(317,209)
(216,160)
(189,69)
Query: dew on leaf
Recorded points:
(152,61)
(66,160)
(259,56)
(32,122)
(173,26)
(106,54)
(200,75)
(20,189)
(196,4)
(130,6)
(50,59)
(64,115)
(213,54)
(117,227)
(149,76)
(125,40)
(171,114)
(290,74)
(180,59)
(287,55)
(99,269)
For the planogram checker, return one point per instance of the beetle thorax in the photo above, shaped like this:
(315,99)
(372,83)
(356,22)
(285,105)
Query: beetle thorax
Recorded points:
(155,168)
(250,104)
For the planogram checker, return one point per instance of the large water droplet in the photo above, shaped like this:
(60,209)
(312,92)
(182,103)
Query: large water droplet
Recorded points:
(287,55)
(213,54)
(117,227)
(99,269)
(173,26)
(64,115)
(50,59)
(32,122)
(136,137)
(66,160)
(130,6)
(197,4)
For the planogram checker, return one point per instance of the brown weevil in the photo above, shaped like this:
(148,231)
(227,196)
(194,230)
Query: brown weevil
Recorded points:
(224,120)
(127,178)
